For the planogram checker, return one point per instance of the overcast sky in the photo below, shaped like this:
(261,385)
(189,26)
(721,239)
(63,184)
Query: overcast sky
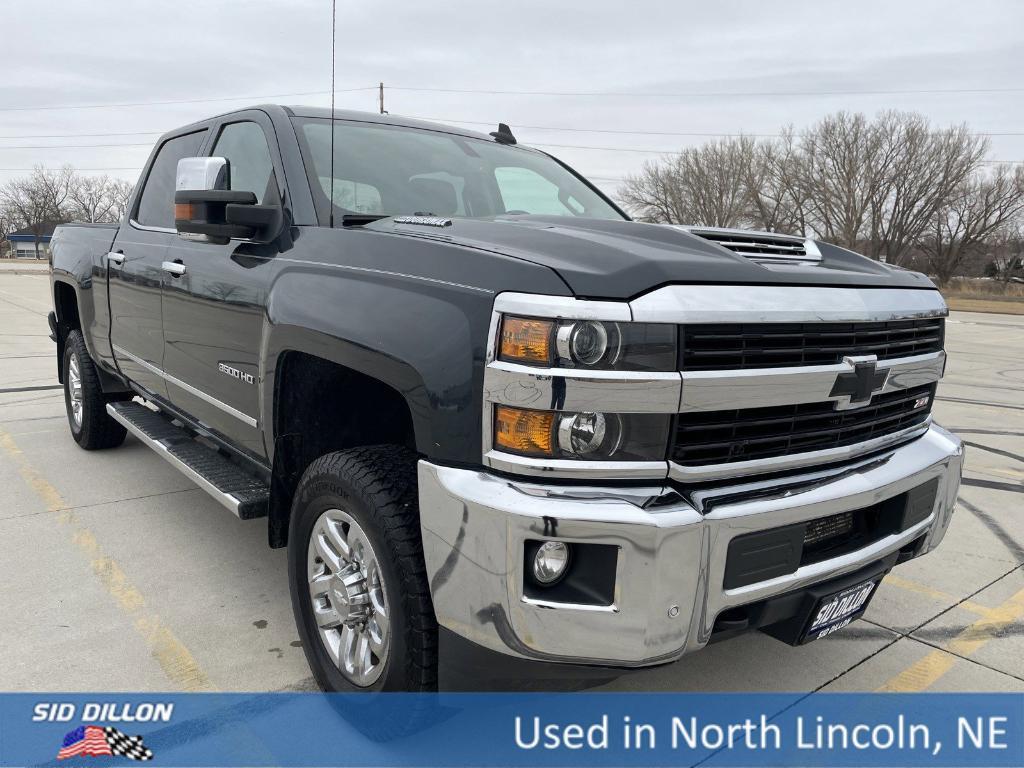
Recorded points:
(670,60)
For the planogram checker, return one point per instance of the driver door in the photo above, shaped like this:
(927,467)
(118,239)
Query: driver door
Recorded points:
(214,309)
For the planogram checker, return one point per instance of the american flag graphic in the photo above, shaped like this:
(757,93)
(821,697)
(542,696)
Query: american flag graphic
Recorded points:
(97,741)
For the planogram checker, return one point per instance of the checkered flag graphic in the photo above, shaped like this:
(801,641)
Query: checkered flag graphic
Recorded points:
(127,746)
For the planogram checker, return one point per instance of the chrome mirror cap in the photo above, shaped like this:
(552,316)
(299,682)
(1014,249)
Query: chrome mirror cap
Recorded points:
(202,173)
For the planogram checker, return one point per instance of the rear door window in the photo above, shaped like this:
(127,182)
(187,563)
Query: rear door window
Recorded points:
(156,204)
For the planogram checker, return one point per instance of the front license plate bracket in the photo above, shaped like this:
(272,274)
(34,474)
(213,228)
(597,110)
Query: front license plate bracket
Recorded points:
(796,630)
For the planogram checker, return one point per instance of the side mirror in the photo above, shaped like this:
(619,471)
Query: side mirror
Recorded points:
(207,210)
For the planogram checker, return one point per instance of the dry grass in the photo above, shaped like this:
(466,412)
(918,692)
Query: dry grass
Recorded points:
(967,294)
(989,289)
(999,307)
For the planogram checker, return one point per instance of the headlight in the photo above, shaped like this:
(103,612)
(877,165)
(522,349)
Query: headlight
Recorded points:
(586,436)
(586,342)
(596,344)
(584,433)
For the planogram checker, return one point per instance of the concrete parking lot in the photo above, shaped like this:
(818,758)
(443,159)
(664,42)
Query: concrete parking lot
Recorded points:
(119,574)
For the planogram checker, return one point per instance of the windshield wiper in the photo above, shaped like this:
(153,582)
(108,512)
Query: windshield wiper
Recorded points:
(358,219)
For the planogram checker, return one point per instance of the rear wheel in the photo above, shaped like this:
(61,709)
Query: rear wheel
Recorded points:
(358,581)
(91,425)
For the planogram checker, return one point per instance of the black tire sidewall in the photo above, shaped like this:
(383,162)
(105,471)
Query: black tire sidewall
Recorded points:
(317,494)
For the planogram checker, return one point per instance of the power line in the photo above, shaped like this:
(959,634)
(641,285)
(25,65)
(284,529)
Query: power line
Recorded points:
(693,134)
(622,132)
(671,151)
(79,135)
(595,94)
(75,146)
(565,128)
(27,170)
(182,101)
(702,94)
(533,144)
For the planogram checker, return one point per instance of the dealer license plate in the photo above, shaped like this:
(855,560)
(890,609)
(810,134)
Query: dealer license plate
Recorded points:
(837,610)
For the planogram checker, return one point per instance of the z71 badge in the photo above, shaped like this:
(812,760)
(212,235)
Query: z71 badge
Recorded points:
(248,378)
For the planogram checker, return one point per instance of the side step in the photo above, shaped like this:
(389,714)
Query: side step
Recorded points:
(235,489)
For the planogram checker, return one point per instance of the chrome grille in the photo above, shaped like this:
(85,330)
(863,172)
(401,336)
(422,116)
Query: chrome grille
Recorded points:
(718,437)
(741,346)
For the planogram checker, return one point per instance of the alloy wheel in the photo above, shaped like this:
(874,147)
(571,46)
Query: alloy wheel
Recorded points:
(347,592)
(75,390)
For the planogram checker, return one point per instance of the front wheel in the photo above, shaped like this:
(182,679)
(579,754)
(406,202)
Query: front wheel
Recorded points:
(358,581)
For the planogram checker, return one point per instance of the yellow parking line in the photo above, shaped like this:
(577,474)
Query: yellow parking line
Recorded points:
(1013,474)
(170,653)
(925,672)
(922,589)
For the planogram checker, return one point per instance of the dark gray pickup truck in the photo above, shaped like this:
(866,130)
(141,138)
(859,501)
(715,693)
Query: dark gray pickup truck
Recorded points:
(498,425)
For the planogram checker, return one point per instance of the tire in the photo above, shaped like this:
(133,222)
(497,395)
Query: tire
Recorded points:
(367,496)
(91,426)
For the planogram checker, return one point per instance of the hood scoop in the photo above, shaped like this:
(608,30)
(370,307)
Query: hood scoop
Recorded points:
(767,247)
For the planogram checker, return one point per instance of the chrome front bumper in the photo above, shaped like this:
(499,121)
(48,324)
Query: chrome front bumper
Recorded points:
(672,548)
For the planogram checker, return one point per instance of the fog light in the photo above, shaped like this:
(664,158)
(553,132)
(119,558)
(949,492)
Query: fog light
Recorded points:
(551,562)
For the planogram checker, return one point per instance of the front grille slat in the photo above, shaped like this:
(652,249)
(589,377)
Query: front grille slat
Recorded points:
(719,437)
(779,345)
(799,433)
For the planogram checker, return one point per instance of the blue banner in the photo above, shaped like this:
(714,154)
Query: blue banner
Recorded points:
(293,729)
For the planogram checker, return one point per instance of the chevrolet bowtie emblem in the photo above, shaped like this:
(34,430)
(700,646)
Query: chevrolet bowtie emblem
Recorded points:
(859,384)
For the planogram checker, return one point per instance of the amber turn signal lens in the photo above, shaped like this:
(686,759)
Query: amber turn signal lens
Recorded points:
(527,341)
(530,433)
(183,211)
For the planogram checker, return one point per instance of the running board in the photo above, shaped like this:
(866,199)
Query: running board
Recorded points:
(235,489)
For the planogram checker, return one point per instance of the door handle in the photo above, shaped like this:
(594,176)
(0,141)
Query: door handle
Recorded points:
(173,268)
(116,258)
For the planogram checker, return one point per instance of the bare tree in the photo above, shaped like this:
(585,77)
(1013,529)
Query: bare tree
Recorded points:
(715,174)
(655,195)
(840,175)
(8,223)
(875,186)
(1008,251)
(90,199)
(775,195)
(918,169)
(976,210)
(120,192)
(38,200)
(699,185)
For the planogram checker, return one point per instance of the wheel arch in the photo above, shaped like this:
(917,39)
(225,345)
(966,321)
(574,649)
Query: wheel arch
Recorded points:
(320,404)
(65,307)
(422,338)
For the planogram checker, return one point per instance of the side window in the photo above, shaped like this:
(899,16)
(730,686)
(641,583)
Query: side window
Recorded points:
(156,205)
(245,147)
(525,190)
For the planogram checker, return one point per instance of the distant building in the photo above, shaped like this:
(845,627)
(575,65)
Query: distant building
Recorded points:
(23,242)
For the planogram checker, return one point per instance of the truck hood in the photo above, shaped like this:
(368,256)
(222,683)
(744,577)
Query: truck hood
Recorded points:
(599,258)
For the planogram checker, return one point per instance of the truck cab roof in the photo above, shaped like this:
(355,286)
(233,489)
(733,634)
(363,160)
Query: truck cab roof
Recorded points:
(288,111)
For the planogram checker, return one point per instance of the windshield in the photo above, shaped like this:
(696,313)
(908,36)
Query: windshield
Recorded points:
(389,170)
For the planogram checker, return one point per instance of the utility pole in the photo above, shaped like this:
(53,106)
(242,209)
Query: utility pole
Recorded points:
(382,110)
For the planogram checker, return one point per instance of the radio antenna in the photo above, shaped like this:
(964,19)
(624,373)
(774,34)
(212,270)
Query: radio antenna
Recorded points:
(331,180)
